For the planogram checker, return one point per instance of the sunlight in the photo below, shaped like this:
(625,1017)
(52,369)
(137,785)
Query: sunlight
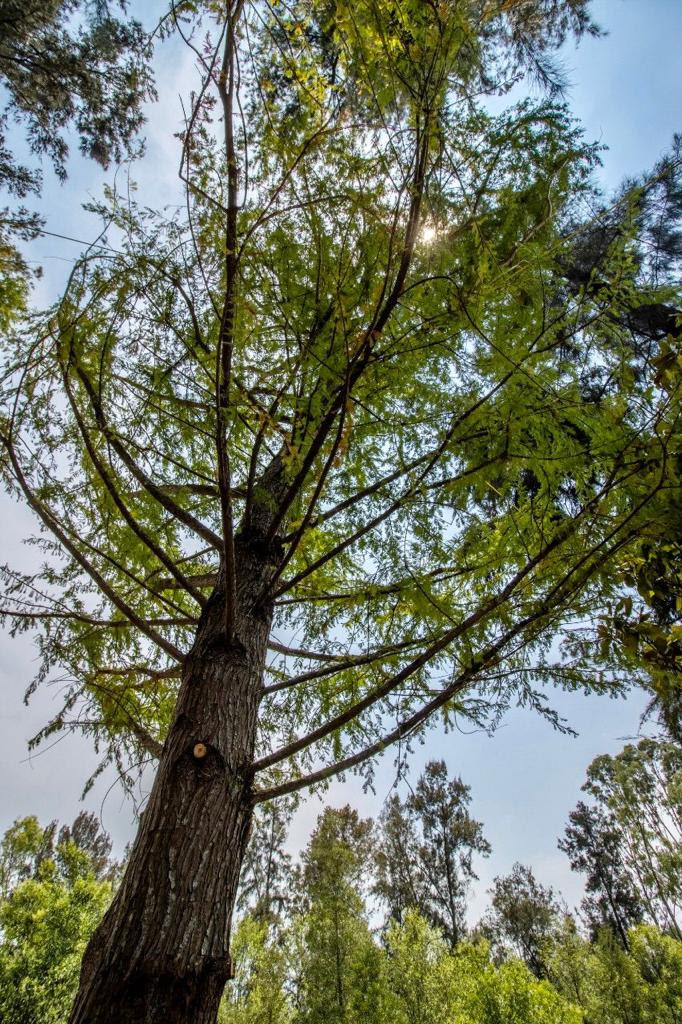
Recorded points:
(428,233)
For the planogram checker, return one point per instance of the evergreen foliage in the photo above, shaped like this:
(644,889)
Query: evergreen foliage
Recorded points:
(524,917)
(70,64)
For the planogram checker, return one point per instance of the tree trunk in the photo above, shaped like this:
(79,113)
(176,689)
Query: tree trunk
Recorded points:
(161,953)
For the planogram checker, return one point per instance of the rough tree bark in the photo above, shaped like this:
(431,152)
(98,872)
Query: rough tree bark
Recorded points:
(161,953)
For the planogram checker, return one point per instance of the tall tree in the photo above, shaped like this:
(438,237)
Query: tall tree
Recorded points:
(640,629)
(425,853)
(594,845)
(259,994)
(355,407)
(335,933)
(524,916)
(265,882)
(64,65)
(642,985)
(641,789)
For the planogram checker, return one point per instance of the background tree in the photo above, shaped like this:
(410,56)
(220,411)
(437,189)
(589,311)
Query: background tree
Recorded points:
(594,845)
(425,852)
(436,985)
(265,882)
(26,845)
(641,787)
(620,987)
(54,892)
(346,444)
(641,629)
(334,928)
(259,992)
(66,65)
(524,917)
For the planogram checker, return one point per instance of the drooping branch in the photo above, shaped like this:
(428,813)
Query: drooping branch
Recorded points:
(154,490)
(106,478)
(372,524)
(49,520)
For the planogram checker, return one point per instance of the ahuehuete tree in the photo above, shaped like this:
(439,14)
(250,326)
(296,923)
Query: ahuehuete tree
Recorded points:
(339,451)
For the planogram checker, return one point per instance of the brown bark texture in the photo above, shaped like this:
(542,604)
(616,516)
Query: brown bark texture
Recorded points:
(161,953)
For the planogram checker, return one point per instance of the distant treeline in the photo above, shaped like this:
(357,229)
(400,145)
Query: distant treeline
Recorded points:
(369,924)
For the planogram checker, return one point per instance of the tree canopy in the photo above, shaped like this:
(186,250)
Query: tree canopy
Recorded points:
(403,309)
(69,64)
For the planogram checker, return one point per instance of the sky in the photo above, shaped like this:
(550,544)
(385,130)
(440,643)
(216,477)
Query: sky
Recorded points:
(525,779)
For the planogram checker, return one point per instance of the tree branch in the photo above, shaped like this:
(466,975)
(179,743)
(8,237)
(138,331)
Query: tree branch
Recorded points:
(49,521)
(149,486)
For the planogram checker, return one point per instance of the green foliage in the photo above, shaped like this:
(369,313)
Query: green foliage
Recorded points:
(418,961)
(323,964)
(435,985)
(264,884)
(506,995)
(82,848)
(64,64)
(257,993)
(425,851)
(413,976)
(524,916)
(642,986)
(641,788)
(336,944)
(70,63)
(594,845)
(54,892)
(45,927)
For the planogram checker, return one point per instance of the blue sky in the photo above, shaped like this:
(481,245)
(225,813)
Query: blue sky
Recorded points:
(626,91)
